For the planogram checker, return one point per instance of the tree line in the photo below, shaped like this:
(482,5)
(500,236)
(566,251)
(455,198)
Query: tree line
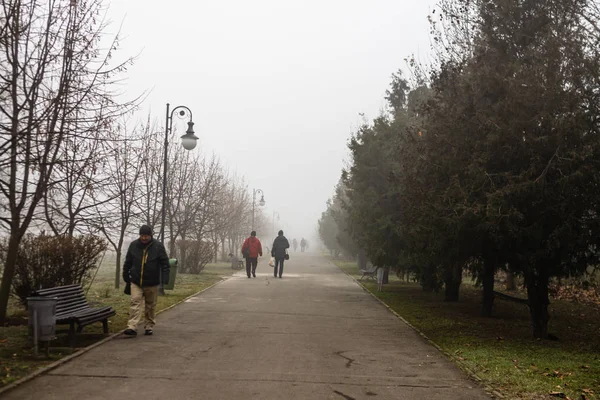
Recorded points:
(73,164)
(488,159)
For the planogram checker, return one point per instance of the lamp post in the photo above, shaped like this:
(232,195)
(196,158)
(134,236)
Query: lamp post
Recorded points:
(188,141)
(278,217)
(260,203)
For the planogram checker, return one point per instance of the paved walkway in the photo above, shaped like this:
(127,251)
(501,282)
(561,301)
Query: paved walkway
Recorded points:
(315,334)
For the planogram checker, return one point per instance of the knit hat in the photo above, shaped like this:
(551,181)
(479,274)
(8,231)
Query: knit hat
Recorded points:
(146,230)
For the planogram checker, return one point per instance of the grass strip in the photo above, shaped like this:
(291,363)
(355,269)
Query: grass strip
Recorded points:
(17,358)
(500,350)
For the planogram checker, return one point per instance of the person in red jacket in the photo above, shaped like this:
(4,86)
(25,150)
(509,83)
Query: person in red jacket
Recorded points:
(251,250)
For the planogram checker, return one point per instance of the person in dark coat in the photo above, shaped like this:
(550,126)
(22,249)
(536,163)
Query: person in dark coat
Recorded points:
(145,264)
(280,245)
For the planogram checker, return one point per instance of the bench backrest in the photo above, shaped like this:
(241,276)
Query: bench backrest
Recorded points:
(70,298)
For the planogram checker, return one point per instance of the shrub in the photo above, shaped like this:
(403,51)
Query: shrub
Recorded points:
(106,290)
(46,261)
(193,255)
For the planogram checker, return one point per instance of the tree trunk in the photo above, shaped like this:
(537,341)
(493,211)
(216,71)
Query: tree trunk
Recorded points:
(452,281)
(537,296)
(362,260)
(386,276)
(8,275)
(118,270)
(119,249)
(428,279)
(510,281)
(489,269)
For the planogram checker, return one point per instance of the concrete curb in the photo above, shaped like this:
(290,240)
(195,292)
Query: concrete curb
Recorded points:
(68,358)
(461,365)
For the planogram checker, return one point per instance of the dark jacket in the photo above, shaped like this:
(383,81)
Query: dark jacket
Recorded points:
(146,273)
(279,246)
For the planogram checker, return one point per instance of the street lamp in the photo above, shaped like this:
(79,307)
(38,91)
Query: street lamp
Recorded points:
(188,141)
(278,217)
(260,203)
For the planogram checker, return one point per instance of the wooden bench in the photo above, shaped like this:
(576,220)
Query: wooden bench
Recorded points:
(73,309)
(369,273)
(511,298)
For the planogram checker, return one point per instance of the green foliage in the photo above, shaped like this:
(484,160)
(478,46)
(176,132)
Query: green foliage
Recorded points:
(333,228)
(45,261)
(496,162)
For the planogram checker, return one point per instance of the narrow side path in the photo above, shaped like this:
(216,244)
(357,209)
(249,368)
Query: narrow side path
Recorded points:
(315,334)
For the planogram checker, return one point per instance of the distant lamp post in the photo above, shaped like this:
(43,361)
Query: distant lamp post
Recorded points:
(260,203)
(278,217)
(188,141)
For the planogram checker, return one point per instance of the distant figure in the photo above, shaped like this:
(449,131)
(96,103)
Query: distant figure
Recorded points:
(145,263)
(303,245)
(295,244)
(236,263)
(251,250)
(280,245)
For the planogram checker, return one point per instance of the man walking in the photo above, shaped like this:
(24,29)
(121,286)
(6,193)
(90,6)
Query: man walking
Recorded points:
(146,261)
(280,245)
(251,250)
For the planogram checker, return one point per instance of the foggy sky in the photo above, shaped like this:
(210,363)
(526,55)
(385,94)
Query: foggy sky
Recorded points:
(276,86)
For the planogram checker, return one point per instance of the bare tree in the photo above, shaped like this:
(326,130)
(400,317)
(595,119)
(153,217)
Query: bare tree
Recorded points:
(81,176)
(124,168)
(52,78)
(151,179)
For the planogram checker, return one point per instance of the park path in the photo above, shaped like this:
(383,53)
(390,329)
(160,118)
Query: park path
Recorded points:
(315,334)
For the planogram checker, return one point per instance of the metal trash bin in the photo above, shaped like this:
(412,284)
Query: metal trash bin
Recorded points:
(172,274)
(42,319)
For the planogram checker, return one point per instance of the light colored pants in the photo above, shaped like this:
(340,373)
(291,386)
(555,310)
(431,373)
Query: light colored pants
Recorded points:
(149,294)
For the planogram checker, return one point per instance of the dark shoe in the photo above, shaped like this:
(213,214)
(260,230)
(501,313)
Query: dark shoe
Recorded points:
(130,332)
(249,277)
(279,276)
(254,275)
(148,332)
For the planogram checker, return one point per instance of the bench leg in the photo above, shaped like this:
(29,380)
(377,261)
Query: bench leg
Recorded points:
(72,334)
(105,325)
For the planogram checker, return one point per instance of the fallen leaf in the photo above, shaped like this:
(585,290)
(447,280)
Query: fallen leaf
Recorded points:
(558,394)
